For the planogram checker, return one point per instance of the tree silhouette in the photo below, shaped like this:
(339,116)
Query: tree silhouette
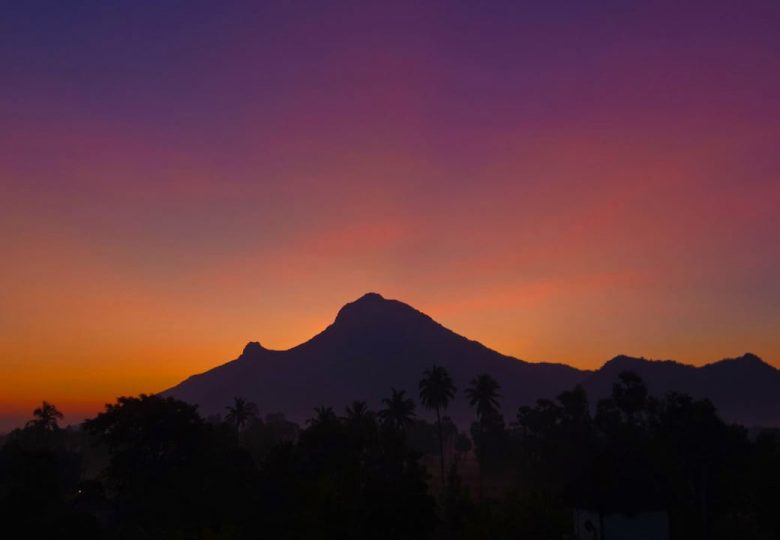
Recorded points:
(436,392)
(40,467)
(398,413)
(46,417)
(357,411)
(240,413)
(483,394)
(161,471)
(323,416)
(361,421)
(629,409)
(462,444)
(172,475)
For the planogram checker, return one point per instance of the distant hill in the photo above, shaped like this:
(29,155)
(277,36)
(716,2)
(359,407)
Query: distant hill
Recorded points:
(744,389)
(375,344)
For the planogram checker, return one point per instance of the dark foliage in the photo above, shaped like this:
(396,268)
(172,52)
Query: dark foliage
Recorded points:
(170,474)
(150,467)
(40,467)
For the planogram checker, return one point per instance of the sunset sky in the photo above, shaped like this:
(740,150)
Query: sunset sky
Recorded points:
(562,181)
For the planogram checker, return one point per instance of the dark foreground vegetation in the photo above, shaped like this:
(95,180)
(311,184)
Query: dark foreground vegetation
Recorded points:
(152,468)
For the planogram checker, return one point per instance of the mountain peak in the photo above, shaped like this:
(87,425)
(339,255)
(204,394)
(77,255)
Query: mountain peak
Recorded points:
(252,348)
(752,358)
(369,297)
(373,308)
(377,343)
(624,361)
(369,304)
(747,360)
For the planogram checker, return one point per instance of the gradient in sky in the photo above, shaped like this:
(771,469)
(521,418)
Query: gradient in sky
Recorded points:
(563,181)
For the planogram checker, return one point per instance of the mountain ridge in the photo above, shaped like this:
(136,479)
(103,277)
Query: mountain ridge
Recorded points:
(374,344)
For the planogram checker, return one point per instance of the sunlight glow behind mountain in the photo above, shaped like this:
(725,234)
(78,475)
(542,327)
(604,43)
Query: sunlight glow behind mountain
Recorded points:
(563,182)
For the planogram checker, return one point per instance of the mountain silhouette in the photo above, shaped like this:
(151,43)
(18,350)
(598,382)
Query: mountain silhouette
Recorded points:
(376,344)
(744,389)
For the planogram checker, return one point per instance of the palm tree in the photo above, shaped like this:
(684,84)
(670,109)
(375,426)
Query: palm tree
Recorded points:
(240,412)
(323,416)
(360,418)
(483,394)
(436,391)
(398,412)
(357,411)
(45,417)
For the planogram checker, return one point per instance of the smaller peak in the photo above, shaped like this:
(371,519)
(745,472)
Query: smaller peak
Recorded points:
(625,362)
(623,359)
(252,348)
(747,359)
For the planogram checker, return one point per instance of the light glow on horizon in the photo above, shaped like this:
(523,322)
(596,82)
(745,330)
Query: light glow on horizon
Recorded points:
(560,182)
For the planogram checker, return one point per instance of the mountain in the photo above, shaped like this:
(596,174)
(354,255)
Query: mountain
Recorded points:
(375,344)
(744,389)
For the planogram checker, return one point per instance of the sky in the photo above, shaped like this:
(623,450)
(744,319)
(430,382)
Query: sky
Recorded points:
(562,181)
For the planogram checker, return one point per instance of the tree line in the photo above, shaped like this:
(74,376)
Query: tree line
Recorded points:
(149,467)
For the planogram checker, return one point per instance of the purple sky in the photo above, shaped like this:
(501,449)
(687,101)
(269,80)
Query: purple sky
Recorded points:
(563,181)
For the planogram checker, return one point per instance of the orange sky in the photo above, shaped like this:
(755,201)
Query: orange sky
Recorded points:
(560,184)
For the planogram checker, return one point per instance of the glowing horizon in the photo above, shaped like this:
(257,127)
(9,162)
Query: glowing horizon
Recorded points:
(560,182)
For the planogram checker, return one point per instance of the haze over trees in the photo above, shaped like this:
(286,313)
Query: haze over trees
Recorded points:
(152,467)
